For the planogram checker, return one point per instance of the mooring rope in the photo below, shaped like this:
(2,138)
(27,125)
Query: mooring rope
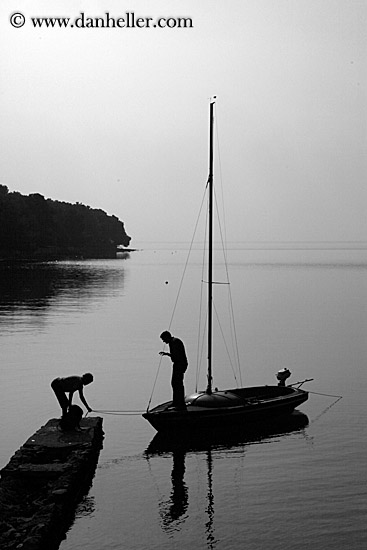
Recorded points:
(122,412)
(336,397)
(126,412)
(326,394)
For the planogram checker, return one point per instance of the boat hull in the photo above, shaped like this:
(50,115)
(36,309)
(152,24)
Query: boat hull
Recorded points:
(222,410)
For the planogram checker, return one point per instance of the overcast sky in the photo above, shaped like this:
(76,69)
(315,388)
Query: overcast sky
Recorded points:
(117,118)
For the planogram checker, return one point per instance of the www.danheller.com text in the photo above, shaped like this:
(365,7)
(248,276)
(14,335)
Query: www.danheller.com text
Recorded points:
(128,20)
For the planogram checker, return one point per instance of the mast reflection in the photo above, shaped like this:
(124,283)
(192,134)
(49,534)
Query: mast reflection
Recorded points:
(209,526)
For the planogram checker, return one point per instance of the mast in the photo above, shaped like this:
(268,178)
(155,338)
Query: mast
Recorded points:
(210,236)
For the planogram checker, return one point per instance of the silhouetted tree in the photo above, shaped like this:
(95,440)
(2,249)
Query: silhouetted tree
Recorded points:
(34,227)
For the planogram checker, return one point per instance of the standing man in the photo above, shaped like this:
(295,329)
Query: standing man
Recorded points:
(179,365)
(69,385)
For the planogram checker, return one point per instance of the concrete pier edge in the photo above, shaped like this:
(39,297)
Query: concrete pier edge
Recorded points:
(43,482)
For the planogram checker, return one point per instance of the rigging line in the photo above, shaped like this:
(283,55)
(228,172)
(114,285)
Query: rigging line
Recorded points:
(220,176)
(198,360)
(235,343)
(231,308)
(224,245)
(178,295)
(201,350)
(225,343)
(187,261)
(155,382)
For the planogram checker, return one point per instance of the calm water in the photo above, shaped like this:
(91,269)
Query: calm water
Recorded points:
(300,486)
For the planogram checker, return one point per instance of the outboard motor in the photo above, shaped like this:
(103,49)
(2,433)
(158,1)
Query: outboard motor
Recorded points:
(282,376)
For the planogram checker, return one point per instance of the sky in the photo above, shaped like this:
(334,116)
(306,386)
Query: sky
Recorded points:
(117,118)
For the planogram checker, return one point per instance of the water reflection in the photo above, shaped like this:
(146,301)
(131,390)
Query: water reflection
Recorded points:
(173,511)
(29,289)
(209,526)
(228,438)
(86,507)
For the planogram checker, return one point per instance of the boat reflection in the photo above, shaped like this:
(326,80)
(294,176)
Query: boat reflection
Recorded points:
(173,511)
(228,438)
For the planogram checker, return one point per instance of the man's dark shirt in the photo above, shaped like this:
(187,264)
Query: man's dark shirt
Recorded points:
(178,354)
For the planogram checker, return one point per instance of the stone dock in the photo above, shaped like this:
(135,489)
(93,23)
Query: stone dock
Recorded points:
(43,482)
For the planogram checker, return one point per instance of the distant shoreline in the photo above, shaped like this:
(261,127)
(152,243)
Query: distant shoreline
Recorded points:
(258,245)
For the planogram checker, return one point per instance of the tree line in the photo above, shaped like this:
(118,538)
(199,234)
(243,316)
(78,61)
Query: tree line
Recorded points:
(32,227)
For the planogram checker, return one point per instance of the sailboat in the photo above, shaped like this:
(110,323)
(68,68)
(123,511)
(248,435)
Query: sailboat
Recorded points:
(214,409)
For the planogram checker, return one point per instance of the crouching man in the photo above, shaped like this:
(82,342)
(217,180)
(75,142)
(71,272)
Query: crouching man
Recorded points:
(71,384)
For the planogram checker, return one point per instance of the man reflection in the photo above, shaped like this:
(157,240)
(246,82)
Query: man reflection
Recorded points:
(176,507)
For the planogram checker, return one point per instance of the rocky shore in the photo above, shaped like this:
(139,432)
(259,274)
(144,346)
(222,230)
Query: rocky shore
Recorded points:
(43,482)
